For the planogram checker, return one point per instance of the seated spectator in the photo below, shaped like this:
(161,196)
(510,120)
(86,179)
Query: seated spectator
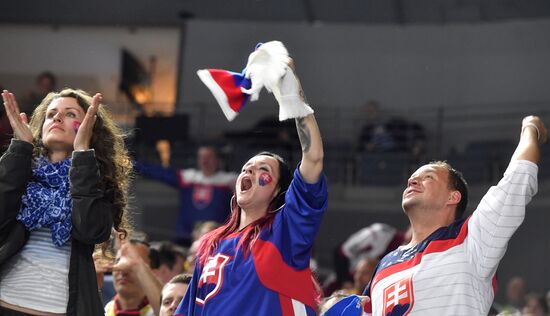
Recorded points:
(329,301)
(167,261)
(44,84)
(200,230)
(390,135)
(103,268)
(363,274)
(205,192)
(191,259)
(204,227)
(516,289)
(373,241)
(104,260)
(269,132)
(172,293)
(137,288)
(339,304)
(535,305)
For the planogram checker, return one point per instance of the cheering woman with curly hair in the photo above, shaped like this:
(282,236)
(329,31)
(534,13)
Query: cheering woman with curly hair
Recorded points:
(63,187)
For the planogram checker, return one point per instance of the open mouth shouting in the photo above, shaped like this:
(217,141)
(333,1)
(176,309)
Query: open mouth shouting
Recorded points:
(246,184)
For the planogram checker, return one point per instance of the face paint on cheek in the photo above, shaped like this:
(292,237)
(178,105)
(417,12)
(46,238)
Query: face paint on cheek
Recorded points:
(265,179)
(76,125)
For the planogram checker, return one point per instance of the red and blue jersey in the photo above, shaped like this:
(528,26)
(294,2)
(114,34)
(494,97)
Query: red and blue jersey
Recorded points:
(274,278)
(202,198)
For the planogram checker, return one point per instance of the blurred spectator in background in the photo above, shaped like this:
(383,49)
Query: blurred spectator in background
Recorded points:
(199,231)
(103,262)
(516,290)
(189,265)
(205,191)
(103,268)
(372,242)
(339,305)
(167,260)
(329,301)
(5,128)
(203,228)
(535,305)
(271,133)
(363,274)
(137,288)
(172,293)
(390,135)
(44,84)
(375,136)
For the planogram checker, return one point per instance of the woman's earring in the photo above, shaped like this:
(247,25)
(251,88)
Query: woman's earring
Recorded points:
(276,200)
(232,203)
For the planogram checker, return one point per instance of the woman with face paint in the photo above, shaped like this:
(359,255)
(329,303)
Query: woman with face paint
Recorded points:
(63,187)
(258,262)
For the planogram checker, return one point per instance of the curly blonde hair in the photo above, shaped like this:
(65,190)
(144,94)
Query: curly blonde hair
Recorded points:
(115,166)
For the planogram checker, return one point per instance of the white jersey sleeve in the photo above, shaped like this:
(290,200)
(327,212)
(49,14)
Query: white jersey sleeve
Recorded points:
(499,214)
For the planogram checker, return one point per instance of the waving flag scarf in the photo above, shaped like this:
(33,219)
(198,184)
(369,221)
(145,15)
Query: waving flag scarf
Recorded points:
(226,88)
(232,90)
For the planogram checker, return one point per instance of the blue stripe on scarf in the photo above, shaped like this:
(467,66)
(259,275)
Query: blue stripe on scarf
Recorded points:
(47,201)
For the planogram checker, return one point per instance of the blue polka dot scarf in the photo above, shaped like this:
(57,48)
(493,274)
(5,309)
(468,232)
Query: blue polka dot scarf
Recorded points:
(48,202)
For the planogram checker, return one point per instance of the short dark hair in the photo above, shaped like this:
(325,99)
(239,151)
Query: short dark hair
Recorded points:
(182,278)
(47,75)
(166,253)
(456,182)
(139,237)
